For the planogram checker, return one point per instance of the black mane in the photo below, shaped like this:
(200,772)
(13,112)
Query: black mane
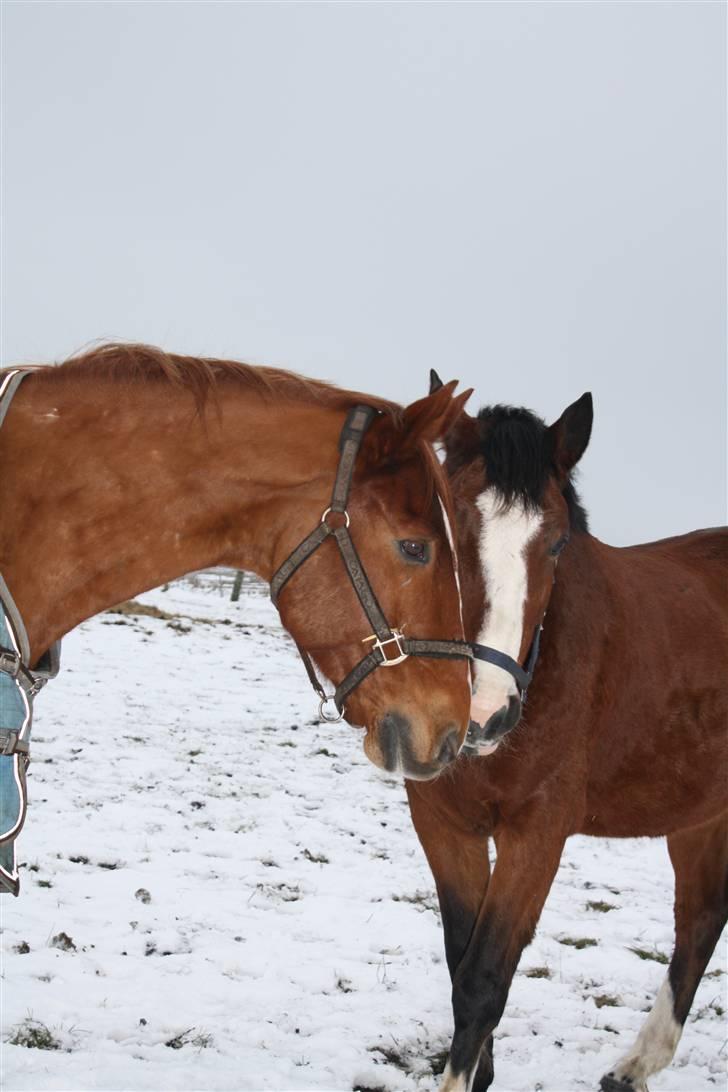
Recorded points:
(516,446)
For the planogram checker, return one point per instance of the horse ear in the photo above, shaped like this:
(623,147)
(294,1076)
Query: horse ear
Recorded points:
(435,381)
(454,413)
(392,440)
(570,434)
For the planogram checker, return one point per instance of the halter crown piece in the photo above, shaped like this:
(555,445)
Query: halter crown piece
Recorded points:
(389,646)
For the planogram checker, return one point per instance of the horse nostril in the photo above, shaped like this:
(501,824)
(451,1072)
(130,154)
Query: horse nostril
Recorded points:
(450,746)
(393,737)
(494,729)
(501,722)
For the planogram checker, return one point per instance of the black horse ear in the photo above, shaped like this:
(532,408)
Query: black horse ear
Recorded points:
(435,381)
(570,434)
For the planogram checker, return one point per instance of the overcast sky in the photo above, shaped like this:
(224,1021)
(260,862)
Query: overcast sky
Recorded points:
(526,196)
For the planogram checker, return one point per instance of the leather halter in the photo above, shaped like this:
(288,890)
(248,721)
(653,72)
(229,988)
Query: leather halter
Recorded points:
(389,646)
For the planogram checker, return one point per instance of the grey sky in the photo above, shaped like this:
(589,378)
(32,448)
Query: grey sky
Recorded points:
(527,196)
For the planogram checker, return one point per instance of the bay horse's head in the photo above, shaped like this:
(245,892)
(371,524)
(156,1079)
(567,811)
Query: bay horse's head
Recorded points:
(516,505)
(415,704)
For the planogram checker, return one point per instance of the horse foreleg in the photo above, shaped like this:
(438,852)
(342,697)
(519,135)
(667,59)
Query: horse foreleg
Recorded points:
(528,858)
(700,860)
(460,865)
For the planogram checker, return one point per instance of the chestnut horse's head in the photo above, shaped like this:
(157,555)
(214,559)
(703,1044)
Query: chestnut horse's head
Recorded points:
(415,711)
(516,507)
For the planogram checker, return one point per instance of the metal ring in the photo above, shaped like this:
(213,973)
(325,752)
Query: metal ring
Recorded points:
(345,514)
(322,715)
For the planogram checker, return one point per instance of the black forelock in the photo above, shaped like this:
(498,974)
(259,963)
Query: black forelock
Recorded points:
(516,446)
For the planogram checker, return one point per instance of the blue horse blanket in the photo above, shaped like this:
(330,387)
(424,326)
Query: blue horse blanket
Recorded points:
(15,715)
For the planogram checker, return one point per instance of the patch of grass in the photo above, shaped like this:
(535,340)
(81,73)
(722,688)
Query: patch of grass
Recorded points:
(578,942)
(35,1035)
(143,895)
(283,891)
(426,899)
(23,948)
(654,955)
(538,972)
(79,859)
(600,907)
(438,1061)
(134,609)
(315,858)
(185,1038)
(43,883)
(394,1056)
(344,984)
(605,1000)
(64,942)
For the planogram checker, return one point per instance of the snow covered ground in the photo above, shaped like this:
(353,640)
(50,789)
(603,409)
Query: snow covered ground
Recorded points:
(222,894)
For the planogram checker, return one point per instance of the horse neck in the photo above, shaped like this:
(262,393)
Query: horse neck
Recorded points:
(582,603)
(110,490)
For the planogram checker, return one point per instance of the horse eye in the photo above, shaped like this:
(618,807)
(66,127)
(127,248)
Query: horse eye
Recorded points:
(558,546)
(415,551)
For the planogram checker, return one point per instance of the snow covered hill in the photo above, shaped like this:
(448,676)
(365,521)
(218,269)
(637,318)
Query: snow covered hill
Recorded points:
(221,893)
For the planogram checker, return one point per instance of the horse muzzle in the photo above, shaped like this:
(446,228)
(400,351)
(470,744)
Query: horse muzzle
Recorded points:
(484,738)
(393,747)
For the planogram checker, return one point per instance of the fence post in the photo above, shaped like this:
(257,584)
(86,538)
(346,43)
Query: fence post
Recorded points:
(237,585)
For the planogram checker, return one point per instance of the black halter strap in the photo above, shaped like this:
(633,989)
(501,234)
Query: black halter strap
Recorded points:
(522,675)
(389,646)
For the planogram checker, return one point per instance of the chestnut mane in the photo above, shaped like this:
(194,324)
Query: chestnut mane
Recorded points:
(202,376)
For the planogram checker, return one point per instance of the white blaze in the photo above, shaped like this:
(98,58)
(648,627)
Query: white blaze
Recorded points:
(504,538)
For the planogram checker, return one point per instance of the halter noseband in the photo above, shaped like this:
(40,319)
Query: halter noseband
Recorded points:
(521,675)
(390,646)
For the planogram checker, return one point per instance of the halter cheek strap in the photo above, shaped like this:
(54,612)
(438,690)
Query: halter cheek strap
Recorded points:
(389,646)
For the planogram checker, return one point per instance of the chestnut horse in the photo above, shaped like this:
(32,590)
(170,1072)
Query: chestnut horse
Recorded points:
(127,467)
(624,733)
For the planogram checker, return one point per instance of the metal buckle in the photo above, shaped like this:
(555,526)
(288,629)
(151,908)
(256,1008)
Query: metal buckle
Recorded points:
(394,639)
(8,742)
(10,663)
(38,683)
(324,716)
(345,514)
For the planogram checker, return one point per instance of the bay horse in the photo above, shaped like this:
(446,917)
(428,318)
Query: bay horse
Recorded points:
(624,733)
(126,467)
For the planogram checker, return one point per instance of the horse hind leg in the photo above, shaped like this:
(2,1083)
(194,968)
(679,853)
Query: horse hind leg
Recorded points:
(700,859)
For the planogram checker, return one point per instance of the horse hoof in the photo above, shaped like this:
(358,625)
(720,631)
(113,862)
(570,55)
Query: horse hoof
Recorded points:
(610,1083)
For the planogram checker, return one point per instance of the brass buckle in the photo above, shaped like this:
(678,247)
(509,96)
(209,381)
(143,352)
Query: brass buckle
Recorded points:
(395,639)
